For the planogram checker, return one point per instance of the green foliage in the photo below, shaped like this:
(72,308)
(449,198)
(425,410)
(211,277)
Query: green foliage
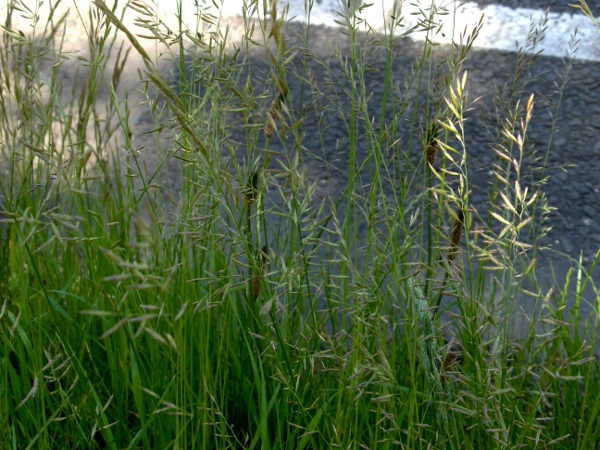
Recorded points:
(242,310)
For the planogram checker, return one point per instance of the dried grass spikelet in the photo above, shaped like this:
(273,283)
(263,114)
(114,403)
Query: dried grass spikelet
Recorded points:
(271,120)
(250,191)
(259,272)
(431,153)
(450,364)
(456,235)
(432,144)
(255,286)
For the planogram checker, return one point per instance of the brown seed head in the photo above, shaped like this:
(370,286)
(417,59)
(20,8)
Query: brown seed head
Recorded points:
(255,287)
(269,130)
(432,136)
(259,272)
(250,191)
(431,152)
(456,234)
(271,119)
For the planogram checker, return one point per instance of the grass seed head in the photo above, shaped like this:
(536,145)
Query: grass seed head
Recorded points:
(271,119)
(456,234)
(432,136)
(250,192)
(259,273)
(255,286)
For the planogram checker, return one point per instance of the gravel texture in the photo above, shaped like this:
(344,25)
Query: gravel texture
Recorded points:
(573,155)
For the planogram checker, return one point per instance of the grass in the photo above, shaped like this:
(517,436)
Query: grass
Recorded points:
(211,295)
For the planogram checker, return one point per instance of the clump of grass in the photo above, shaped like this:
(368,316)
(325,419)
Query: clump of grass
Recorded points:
(250,307)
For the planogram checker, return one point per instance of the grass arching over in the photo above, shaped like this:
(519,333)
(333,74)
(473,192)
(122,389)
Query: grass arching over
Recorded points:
(249,306)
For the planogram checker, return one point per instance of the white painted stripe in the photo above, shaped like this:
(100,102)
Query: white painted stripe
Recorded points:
(503,27)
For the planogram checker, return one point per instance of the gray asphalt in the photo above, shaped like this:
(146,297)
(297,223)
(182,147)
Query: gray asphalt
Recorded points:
(568,147)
